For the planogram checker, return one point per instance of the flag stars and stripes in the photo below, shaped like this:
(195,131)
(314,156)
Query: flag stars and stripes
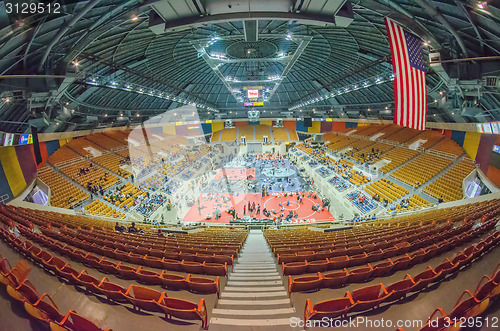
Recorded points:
(410,90)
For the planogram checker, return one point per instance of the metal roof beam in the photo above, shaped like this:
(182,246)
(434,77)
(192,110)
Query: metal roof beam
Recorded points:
(192,22)
(65,28)
(433,12)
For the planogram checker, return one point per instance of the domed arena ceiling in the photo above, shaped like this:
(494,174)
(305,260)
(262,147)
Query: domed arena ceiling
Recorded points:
(108,63)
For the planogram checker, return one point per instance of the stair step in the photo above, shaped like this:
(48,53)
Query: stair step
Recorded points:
(255,269)
(249,283)
(254,312)
(244,277)
(253,302)
(263,274)
(254,294)
(250,322)
(253,264)
(252,289)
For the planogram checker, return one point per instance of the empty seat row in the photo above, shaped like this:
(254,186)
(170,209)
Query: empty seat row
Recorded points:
(469,305)
(77,255)
(371,297)
(391,247)
(139,297)
(39,306)
(425,249)
(385,268)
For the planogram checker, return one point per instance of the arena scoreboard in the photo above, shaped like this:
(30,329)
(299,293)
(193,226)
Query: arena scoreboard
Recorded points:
(253,96)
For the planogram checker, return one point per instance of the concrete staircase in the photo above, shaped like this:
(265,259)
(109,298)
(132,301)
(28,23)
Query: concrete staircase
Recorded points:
(255,295)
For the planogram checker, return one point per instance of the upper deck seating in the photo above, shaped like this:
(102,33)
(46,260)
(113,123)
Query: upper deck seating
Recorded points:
(449,185)
(422,169)
(397,156)
(64,194)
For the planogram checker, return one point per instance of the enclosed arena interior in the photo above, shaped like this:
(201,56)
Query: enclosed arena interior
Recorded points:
(249,165)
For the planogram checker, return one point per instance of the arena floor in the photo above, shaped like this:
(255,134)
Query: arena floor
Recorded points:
(209,202)
(242,179)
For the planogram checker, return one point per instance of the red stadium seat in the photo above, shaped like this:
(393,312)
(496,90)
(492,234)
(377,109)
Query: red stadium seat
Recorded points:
(359,259)
(24,292)
(203,285)
(423,279)
(382,269)
(192,267)
(335,279)
(468,308)
(360,275)
(126,271)
(402,262)
(107,266)
(16,275)
(318,265)
(143,298)
(215,269)
(86,280)
(174,282)
(44,309)
(417,257)
(183,309)
(112,291)
(375,255)
(172,265)
(73,321)
(327,309)
(487,288)
(398,290)
(149,277)
(446,268)
(287,258)
(338,262)
(367,298)
(303,284)
(294,268)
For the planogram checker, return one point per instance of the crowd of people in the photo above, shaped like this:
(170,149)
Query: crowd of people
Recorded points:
(370,157)
(149,203)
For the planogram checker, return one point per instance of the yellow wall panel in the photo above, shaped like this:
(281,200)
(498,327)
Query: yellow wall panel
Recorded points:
(169,129)
(12,169)
(471,143)
(62,142)
(217,126)
(315,127)
(270,123)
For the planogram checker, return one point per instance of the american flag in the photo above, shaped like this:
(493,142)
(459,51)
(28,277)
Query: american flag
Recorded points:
(410,90)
